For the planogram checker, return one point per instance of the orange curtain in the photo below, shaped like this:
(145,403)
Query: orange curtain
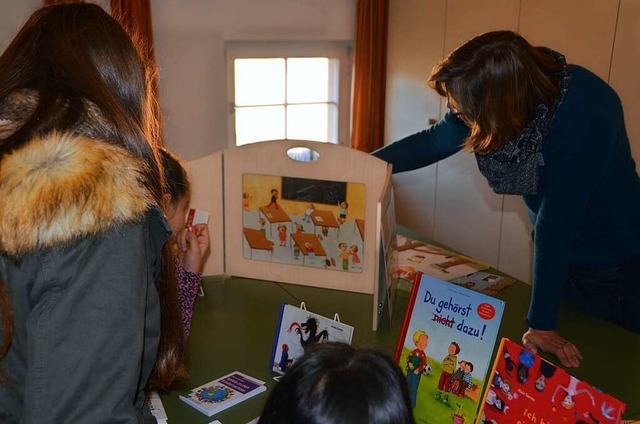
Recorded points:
(370,65)
(135,17)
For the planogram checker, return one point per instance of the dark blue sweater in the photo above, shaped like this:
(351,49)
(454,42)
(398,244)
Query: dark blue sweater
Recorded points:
(587,211)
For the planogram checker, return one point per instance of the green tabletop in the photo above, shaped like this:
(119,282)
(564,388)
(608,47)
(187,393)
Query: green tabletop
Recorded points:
(234,326)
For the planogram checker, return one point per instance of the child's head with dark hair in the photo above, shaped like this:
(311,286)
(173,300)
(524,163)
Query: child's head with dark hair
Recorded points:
(177,189)
(337,383)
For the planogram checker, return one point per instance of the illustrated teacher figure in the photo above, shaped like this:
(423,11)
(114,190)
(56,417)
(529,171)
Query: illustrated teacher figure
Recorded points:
(553,133)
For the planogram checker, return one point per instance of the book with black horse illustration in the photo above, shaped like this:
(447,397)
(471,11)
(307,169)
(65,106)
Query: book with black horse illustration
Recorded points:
(298,329)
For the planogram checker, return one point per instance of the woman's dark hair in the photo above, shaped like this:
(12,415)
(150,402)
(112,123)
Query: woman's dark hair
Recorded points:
(497,80)
(176,180)
(337,383)
(85,74)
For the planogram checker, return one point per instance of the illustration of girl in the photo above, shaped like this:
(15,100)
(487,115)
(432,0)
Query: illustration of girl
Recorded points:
(355,259)
(246,200)
(308,247)
(282,234)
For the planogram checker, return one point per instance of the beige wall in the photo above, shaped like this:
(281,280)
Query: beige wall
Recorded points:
(190,38)
(190,51)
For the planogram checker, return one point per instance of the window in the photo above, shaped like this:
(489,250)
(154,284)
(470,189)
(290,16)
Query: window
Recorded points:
(288,91)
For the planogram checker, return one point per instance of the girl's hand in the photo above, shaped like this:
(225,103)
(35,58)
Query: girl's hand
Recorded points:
(551,342)
(193,243)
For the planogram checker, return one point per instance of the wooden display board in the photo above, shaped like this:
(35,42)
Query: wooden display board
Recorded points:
(314,223)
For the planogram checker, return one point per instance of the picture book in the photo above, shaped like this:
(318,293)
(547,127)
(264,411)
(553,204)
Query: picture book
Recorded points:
(484,282)
(156,407)
(387,285)
(417,256)
(445,347)
(527,389)
(298,329)
(222,393)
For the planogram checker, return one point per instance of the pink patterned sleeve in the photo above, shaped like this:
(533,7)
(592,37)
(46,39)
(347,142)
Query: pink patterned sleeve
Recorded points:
(188,286)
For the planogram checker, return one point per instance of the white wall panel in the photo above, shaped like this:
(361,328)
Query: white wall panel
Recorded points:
(624,70)
(415,44)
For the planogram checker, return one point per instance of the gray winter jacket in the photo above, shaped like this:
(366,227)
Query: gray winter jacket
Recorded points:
(80,245)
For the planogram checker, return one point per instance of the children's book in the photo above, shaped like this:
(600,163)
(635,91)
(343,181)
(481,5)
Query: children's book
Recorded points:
(484,282)
(222,393)
(445,347)
(528,389)
(154,403)
(299,329)
(417,256)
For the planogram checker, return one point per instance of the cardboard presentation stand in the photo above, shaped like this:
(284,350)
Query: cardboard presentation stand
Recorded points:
(314,223)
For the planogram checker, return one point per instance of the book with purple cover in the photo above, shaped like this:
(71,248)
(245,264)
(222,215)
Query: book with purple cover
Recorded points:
(222,393)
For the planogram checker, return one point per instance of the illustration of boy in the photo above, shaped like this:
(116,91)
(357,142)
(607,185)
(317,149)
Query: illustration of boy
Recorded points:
(456,377)
(416,361)
(343,212)
(344,255)
(263,226)
(274,199)
(308,212)
(467,379)
(448,367)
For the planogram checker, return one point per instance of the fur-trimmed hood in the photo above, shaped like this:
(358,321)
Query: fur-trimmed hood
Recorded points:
(62,187)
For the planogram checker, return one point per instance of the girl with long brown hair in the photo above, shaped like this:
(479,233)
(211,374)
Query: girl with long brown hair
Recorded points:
(89,307)
(553,133)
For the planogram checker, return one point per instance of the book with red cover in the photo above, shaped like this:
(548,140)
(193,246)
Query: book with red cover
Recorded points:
(525,388)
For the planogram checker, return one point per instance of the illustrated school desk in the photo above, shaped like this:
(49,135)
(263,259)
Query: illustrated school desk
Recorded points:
(234,326)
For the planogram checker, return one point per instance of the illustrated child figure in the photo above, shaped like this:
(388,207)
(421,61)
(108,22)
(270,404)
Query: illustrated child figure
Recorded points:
(274,199)
(263,226)
(456,378)
(325,231)
(284,358)
(296,252)
(282,234)
(343,212)
(246,200)
(355,259)
(308,248)
(467,379)
(448,366)
(416,362)
(308,212)
(299,229)
(344,255)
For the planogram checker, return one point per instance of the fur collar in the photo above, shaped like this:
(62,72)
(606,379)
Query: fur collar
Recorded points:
(62,187)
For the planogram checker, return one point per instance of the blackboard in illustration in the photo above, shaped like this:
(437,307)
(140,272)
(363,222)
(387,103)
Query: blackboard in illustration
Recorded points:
(304,222)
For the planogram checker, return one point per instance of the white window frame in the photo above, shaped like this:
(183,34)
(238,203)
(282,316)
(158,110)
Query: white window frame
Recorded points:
(340,50)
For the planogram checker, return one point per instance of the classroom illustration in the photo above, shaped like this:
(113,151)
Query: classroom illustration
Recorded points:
(304,222)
